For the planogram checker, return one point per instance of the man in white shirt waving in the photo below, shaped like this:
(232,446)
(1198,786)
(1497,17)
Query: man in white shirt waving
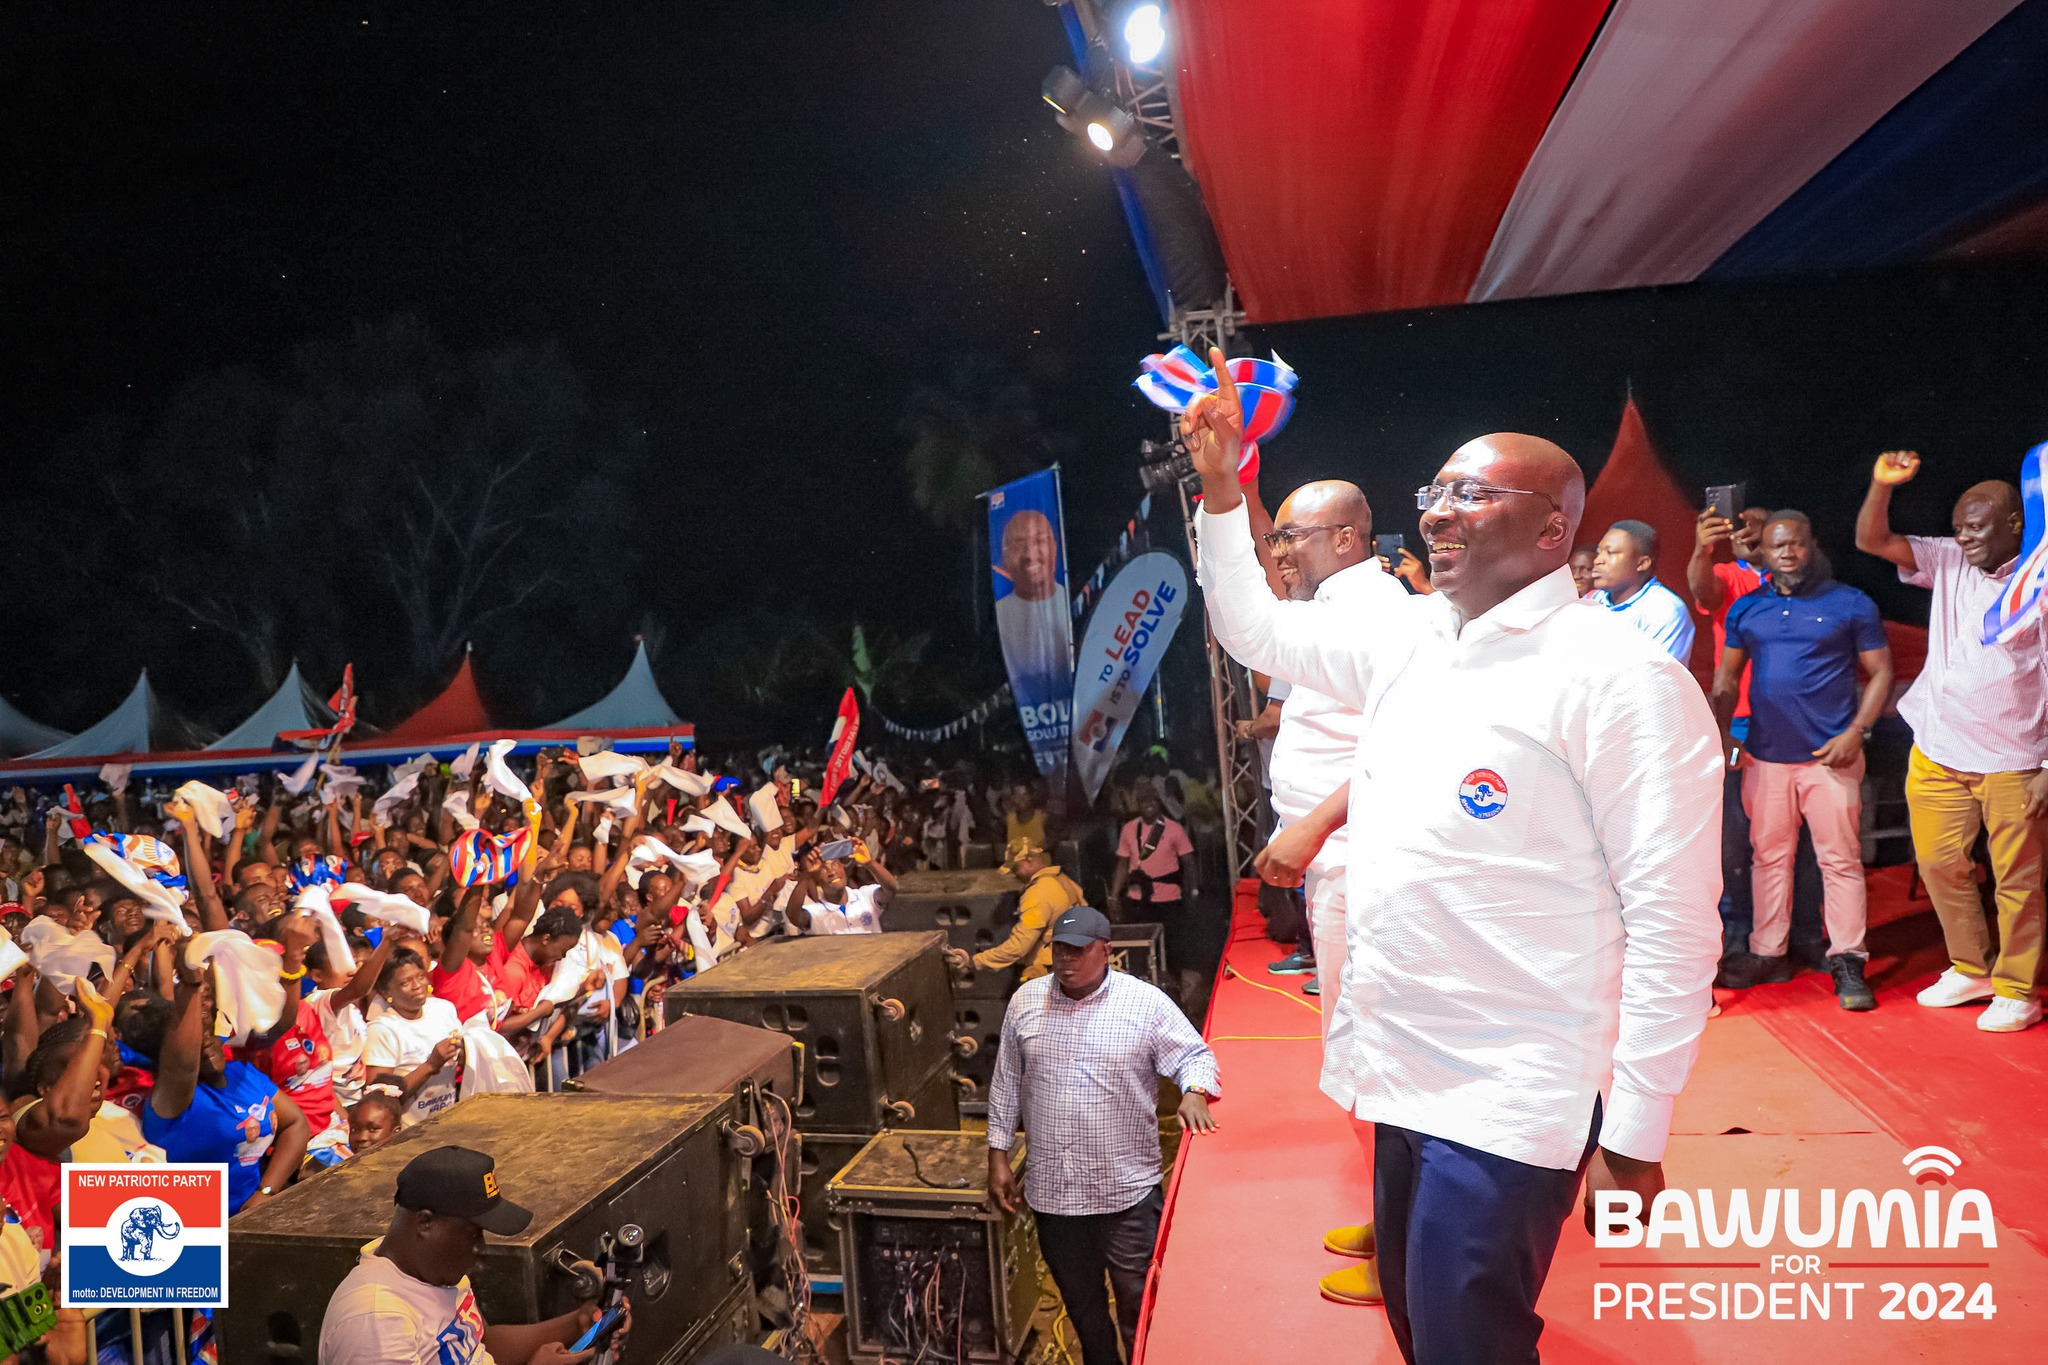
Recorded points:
(1534,868)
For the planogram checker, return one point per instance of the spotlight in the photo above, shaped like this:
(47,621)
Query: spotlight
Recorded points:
(1113,131)
(1107,125)
(1062,89)
(1145,33)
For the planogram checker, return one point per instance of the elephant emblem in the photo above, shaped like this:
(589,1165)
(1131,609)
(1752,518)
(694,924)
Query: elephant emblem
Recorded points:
(141,1228)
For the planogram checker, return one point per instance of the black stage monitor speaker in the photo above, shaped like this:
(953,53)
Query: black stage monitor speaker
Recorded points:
(974,910)
(933,1269)
(590,1167)
(874,1013)
(700,1055)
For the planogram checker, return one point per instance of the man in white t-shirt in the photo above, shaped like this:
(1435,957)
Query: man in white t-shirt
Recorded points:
(409,1299)
(750,895)
(827,904)
(778,860)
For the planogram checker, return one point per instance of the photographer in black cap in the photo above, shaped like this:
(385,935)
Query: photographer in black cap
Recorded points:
(409,1298)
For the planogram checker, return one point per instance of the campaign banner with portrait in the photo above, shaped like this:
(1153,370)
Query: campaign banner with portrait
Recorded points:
(1134,622)
(1028,558)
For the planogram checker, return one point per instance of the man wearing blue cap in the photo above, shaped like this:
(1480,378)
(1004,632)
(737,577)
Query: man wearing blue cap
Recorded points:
(1079,1066)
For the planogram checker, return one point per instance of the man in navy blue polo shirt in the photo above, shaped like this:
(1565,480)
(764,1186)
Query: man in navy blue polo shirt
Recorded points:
(1803,636)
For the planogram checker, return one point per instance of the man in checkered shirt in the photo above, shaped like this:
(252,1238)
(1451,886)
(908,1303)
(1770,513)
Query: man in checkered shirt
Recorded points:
(1080,1061)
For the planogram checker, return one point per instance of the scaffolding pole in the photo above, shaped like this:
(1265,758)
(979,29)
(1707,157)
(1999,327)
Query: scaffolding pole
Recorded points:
(1240,769)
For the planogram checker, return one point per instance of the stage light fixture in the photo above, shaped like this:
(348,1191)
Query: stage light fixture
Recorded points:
(1107,125)
(1113,131)
(1145,33)
(1063,90)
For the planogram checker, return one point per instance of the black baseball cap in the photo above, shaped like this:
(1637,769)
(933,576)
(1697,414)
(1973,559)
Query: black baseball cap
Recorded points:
(1080,926)
(459,1183)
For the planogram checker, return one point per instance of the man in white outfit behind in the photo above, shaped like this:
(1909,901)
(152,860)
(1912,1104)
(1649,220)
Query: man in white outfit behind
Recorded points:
(1321,546)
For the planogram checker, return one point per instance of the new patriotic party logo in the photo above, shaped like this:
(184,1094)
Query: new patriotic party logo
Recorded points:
(145,1236)
(1483,794)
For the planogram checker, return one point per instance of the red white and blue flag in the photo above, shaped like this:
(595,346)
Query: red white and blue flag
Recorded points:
(1265,389)
(145,1236)
(2016,605)
(480,858)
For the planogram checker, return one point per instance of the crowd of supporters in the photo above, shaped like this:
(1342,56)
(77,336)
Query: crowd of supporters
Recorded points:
(289,970)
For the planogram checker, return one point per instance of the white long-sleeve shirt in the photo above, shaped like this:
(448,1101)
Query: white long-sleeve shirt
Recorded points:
(1535,857)
(1318,738)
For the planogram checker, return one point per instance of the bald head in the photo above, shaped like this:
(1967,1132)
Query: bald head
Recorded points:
(1030,555)
(1996,495)
(1327,501)
(1541,466)
(1990,524)
(1325,527)
(1515,527)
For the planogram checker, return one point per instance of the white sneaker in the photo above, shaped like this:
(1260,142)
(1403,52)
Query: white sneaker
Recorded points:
(2006,1015)
(1955,988)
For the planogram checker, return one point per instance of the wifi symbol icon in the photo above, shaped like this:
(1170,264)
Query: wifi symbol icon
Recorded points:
(1930,1164)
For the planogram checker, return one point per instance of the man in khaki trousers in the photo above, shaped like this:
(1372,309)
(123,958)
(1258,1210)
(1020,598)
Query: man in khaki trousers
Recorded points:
(1980,735)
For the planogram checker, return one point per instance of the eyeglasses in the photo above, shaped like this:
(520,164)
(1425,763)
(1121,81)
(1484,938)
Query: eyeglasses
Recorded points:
(1283,539)
(1469,494)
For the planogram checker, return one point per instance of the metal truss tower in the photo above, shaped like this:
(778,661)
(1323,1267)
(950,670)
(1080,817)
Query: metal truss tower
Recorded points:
(1232,698)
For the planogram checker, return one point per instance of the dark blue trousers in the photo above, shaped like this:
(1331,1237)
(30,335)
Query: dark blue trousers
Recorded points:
(1465,1241)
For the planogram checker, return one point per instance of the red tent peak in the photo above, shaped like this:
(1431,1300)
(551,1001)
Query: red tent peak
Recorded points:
(459,710)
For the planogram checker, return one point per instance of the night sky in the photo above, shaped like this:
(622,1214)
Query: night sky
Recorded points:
(756,231)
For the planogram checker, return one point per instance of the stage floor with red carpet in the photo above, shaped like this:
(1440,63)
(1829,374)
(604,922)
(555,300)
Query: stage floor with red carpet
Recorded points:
(1789,1092)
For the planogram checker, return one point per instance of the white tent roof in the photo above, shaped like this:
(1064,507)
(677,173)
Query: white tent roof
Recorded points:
(294,706)
(139,725)
(635,704)
(20,735)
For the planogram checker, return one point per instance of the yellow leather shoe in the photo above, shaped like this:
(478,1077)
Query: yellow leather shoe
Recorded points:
(1352,1241)
(1358,1285)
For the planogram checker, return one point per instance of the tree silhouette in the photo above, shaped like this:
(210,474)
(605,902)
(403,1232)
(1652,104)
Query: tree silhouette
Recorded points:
(374,492)
(976,430)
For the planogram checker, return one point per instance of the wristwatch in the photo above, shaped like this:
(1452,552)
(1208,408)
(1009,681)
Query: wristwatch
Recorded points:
(266,1191)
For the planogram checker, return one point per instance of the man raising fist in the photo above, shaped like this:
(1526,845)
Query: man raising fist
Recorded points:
(1980,736)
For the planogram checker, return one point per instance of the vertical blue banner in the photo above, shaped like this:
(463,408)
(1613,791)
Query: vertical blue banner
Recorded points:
(1028,558)
(1126,638)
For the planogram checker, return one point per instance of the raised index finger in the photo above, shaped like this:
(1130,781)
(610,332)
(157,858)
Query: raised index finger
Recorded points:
(1226,387)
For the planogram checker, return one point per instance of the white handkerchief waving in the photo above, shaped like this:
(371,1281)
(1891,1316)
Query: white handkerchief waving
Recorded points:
(607,764)
(684,781)
(318,902)
(386,906)
(158,901)
(63,956)
(211,810)
(247,988)
(498,776)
